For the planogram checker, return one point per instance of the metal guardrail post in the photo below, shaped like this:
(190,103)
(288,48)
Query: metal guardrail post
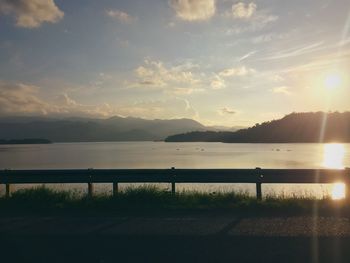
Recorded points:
(173,175)
(258,183)
(7,187)
(115,188)
(90,190)
(90,185)
(347,184)
(7,190)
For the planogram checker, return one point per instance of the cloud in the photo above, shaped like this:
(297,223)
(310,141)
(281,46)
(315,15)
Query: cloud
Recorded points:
(217,83)
(240,71)
(20,98)
(281,90)
(276,78)
(101,80)
(243,11)
(174,79)
(24,99)
(31,13)
(159,109)
(120,15)
(244,57)
(321,63)
(227,110)
(296,51)
(248,18)
(193,10)
(63,105)
(183,78)
(149,109)
(268,38)
(256,23)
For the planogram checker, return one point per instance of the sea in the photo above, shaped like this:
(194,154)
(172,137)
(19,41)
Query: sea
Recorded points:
(181,155)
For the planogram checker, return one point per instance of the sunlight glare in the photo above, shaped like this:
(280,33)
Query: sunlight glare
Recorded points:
(338,191)
(333,81)
(333,155)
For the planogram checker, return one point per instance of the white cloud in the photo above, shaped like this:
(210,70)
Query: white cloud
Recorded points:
(119,15)
(240,71)
(249,54)
(182,79)
(281,90)
(217,83)
(248,18)
(256,23)
(193,10)
(173,79)
(296,51)
(31,13)
(243,11)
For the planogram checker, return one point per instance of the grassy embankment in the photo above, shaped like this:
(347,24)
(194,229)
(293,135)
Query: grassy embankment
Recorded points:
(152,200)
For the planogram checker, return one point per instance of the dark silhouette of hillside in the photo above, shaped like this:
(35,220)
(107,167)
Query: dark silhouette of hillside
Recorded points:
(25,141)
(200,136)
(87,130)
(293,128)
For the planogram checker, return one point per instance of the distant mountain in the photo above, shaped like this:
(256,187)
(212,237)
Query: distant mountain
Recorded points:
(293,128)
(85,129)
(25,141)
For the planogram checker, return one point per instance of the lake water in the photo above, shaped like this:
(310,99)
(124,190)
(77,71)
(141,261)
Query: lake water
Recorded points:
(182,155)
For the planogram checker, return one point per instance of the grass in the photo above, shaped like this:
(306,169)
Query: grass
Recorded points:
(151,200)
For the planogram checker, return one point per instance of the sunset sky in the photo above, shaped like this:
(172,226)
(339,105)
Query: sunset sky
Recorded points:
(219,62)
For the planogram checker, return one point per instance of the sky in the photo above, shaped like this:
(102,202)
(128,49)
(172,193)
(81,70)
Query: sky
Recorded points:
(220,62)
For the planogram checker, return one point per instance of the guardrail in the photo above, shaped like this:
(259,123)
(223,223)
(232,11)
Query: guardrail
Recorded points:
(256,176)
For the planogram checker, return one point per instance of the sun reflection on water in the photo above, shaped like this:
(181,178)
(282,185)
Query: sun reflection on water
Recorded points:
(333,155)
(338,191)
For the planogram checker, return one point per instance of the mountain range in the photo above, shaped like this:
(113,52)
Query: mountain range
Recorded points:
(293,128)
(87,130)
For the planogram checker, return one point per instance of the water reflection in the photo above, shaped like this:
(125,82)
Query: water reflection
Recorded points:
(164,155)
(333,155)
(338,191)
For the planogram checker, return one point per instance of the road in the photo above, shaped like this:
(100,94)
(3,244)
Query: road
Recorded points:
(185,238)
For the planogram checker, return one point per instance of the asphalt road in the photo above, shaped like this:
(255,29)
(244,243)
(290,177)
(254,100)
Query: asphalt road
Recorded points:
(196,238)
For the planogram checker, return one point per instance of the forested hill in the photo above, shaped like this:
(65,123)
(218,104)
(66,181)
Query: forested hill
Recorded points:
(293,128)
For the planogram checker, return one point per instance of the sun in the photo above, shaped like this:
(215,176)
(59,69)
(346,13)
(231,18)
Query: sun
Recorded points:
(333,81)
